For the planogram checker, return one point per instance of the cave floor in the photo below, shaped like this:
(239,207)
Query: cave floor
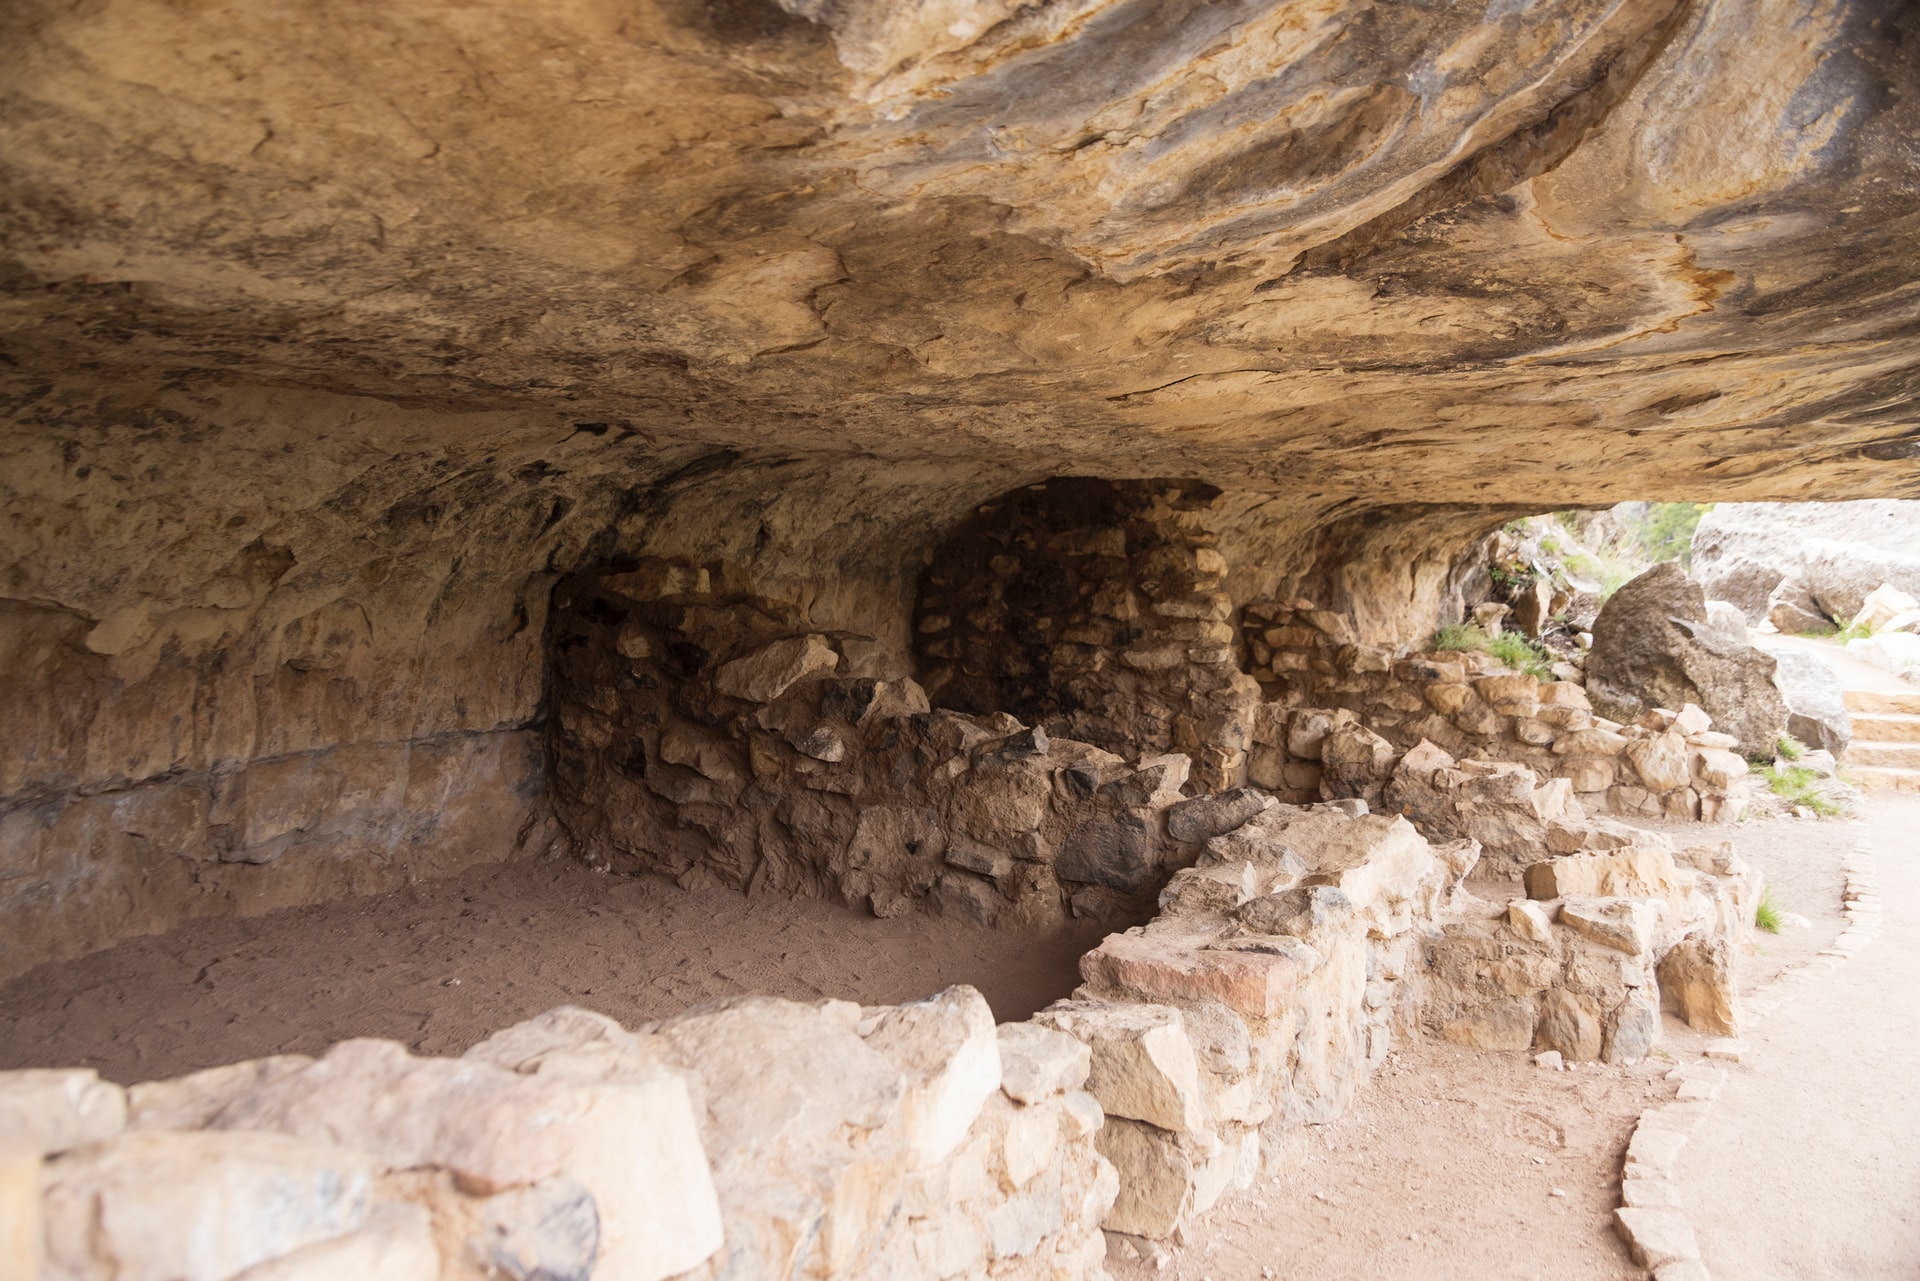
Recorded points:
(1446,1165)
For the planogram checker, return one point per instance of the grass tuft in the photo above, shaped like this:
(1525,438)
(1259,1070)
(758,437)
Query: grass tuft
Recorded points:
(1511,648)
(1790,748)
(1797,785)
(1767,915)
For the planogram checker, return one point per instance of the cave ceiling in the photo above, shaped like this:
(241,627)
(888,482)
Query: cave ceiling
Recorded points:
(1559,251)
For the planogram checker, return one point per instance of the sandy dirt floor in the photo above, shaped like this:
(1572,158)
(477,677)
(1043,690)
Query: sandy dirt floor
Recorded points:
(1446,1167)
(442,964)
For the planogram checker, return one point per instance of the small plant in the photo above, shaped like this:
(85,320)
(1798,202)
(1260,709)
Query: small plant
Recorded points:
(1767,915)
(1511,648)
(1790,748)
(1852,632)
(1457,636)
(1797,785)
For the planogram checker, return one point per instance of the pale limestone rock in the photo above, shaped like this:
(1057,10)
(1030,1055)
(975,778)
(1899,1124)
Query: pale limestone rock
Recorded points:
(947,1050)
(197,1206)
(20,1230)
(1530,921)
(1692,720)
(1657,1237)
(53,1109)
(1038,1062)
(1032,1138)
(1551,1060)
(1718,768)
(1142,1062)
(1151,967)
(631,1140)
(192,1102)
(1633,1028)
(396,1244)
(1081,1115)
(1697,983)
(1627,924)
(1660,761)
(1156,1179)
(1648,1194)
(763,676)
(1629,872)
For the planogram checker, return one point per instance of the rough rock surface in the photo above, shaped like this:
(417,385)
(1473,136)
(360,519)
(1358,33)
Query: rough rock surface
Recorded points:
(1653,647)
(1743,552)
(336,338)
(1816,703)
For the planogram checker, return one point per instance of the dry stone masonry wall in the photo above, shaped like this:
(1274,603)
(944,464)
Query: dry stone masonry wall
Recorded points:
(1095,609)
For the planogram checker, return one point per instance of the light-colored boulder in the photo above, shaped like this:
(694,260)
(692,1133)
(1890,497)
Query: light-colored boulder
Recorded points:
(53,1109)
(1530,921)
(1697,983)
(1156,1179)
(1629,925)
(1717,768)
(1630,872)
(1032,1138)
(20,1230)
(948,1052)
(192,1102)
(1142,1063)
(767,673)
(1038,1062)
(395,1245)
(1660,760)
(632,1141)
(197,1206)
(1882,605)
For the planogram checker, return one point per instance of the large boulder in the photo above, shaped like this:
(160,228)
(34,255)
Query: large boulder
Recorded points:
(1653,646)
(1744,552)
(1816,702)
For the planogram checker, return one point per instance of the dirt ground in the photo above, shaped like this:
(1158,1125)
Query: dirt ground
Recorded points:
(1446,1167)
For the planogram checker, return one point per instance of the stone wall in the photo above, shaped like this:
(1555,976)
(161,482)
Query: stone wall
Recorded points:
(1314,672)
(760,1138)
(712,734)
(1094,609)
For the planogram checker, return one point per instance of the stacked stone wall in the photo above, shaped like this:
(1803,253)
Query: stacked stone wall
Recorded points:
(1094,609)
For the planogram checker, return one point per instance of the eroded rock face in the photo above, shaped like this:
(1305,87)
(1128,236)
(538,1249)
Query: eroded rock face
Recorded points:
(335,339)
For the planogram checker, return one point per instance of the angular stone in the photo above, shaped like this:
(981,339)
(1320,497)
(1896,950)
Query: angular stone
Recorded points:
(631,1140)
(1568,1024)
(20,1229)
(1254,983)
(1496,1025)
(1205,817)
(192,1102)
(1142,1065)
(1660,761)
(1032,1138)
(1697,983)
(764,675)
(1630,872)
(1628,924)
(1655,1147)
(1156,1179)
(1038,1062)
(1717,768)
(396,1245)
(948,1052)
(1633,1029)
(550,1229)
(1657,1237)
(198,1206)
(53,1109)
(1115,851)
(1530,921)
(1648,1194)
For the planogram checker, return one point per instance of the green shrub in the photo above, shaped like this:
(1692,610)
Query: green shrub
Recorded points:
(1767,915)
(1790,748)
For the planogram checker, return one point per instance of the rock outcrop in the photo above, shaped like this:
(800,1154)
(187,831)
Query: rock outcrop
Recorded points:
(1814,562)
(1653,646)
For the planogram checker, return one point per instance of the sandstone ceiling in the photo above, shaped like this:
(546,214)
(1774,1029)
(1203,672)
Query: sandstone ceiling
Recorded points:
(1534,252)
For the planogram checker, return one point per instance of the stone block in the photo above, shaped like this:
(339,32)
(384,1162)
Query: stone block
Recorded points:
(1530,921)
(1038,1062)
(192,1102)
(397,1244)
(1142,1064)
(198,1206)
(1718,768)
(1251,982)
(1156,1179)
(1626,924)
(769,672)
(53,1109)
(1204,817)
(1661,761)
(948,1052)
(1657,1237)
(1697,983)
(1032,1138)
(1629,872)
